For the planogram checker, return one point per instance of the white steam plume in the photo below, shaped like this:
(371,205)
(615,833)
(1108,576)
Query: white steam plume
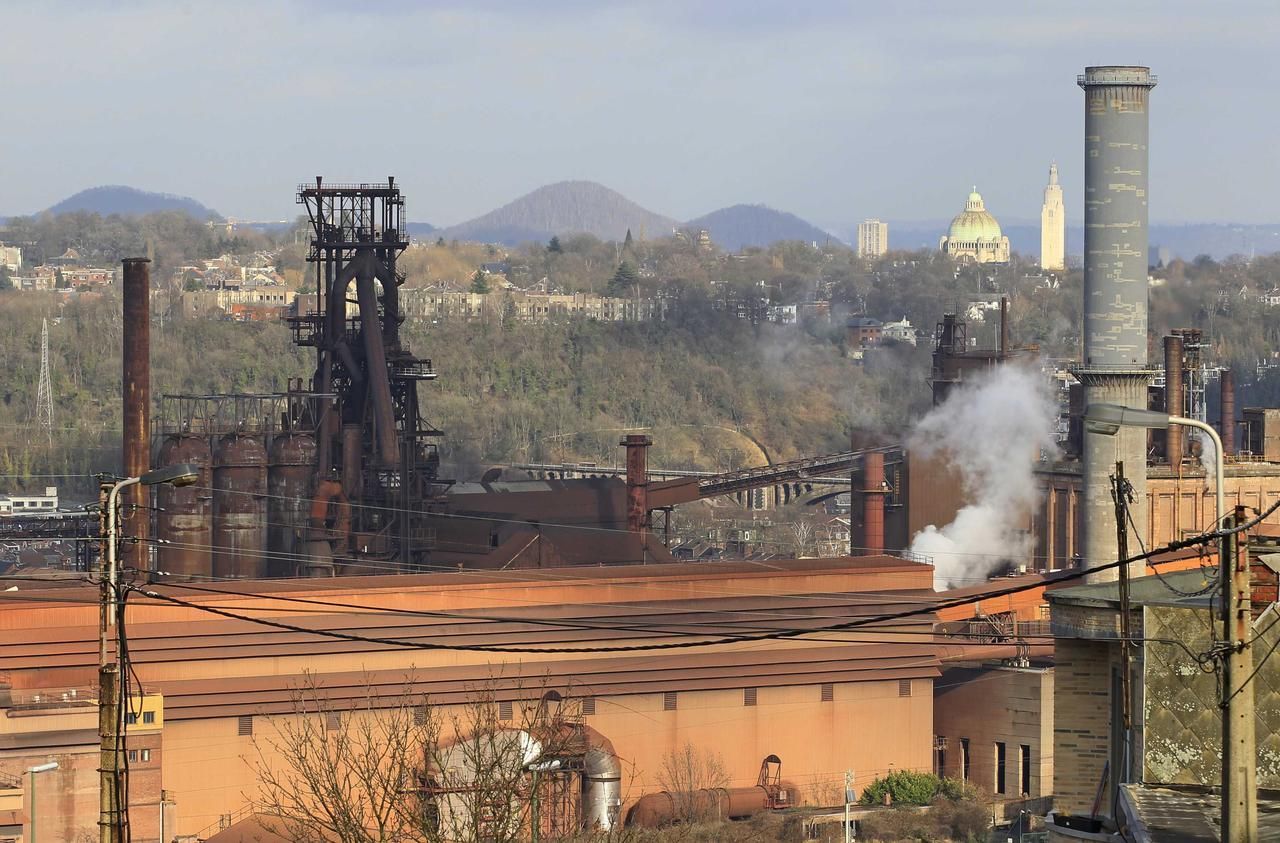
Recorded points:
(991,430)
(1208,457)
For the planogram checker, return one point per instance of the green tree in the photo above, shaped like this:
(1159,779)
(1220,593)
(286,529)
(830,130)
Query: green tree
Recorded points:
(624,279)
(480,282)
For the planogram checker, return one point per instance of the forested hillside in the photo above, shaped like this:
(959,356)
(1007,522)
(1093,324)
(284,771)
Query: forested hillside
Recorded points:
(708,385)
(506,392)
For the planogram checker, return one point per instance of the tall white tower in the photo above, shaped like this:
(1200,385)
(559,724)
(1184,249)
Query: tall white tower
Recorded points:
(1053,225)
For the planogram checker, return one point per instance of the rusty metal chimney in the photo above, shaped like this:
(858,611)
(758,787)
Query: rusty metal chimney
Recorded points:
(637,445)
(136,382)
(873,493)
(1174,393)
(1227,424)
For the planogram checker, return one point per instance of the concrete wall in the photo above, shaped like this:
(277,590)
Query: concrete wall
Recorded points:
(866,727)
(1082,722)
(1178,505)
(1013,706)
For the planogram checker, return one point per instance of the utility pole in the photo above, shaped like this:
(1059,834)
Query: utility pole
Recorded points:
(1122,495)
(1239,751)
(848,797)
(108,694)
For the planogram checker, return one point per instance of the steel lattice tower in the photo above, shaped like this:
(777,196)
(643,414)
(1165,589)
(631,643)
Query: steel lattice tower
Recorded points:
(44,393)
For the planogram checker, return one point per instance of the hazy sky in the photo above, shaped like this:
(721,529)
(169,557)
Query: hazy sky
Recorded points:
(833,111)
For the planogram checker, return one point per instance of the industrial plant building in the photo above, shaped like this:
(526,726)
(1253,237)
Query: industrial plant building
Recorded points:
(216,686)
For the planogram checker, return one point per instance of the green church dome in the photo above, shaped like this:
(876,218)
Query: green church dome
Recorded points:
(974,223)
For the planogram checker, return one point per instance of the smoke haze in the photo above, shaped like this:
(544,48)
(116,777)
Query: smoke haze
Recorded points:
(991,429)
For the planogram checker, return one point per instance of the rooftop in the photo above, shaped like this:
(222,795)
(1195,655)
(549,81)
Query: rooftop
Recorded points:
(1187,815)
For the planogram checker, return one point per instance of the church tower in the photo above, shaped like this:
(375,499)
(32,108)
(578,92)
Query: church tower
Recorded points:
(1053,225)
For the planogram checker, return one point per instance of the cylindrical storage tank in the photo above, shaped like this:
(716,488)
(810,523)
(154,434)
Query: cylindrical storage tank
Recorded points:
(184,523)
(239,507)
(291,465)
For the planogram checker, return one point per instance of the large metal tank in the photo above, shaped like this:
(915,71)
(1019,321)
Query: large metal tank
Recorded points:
(239,507)
(291,465)
(184,523)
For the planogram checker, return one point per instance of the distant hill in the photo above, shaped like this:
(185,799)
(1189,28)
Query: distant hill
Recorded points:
(420,229)
(129,201)
(756,225)
(566,207)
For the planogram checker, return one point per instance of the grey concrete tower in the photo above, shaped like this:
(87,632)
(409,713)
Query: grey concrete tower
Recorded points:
(1114,369)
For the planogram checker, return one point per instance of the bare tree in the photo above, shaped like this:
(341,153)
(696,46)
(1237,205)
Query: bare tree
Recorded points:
(686,773)
(802,534)
(386,768)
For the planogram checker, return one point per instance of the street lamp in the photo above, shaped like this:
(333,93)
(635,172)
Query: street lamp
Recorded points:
(39,768)
(183,474)
(109,719)
(1107,419)
(1238,742)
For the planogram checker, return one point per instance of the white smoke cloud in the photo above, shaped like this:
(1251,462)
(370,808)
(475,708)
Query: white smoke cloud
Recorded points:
(991,429)
(1208,457)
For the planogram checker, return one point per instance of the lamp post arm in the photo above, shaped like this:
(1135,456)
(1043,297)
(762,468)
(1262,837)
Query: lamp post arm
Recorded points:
(1219,461)
(112,572)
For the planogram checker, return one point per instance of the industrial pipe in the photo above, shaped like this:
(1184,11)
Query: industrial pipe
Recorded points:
(136,382)
(873,494)
(1173,398)
(602,782)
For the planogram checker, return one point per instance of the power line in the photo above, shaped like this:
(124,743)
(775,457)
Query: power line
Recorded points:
(727,639)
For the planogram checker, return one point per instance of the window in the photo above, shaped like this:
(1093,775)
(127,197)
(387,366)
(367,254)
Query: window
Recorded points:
(133,755)
(940,751)
(589,705)
(749,696)
(420,715)
(1000,761)
(504,710)
(828,692)
(1025,768)
(332,721)
(131,719)
(244,725)
(964,759)
(904,687)
(146,755)
(148,717)
(669,701)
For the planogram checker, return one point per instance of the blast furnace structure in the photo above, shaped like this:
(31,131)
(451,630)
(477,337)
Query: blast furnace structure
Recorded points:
(370,434)
(1114,365)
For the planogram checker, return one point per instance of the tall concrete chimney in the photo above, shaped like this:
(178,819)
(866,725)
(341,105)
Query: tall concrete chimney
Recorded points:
(1114,369)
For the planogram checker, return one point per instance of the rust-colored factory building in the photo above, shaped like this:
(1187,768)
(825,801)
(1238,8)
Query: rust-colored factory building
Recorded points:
(860,700)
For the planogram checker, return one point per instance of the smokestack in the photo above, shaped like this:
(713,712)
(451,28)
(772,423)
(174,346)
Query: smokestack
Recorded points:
(873,493)
(1174,394)
(1114,369)
(1227,424)
(637,445)
(136,382)
(1004,328)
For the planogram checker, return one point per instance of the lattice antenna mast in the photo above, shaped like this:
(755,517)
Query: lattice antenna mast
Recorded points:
(44,394)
